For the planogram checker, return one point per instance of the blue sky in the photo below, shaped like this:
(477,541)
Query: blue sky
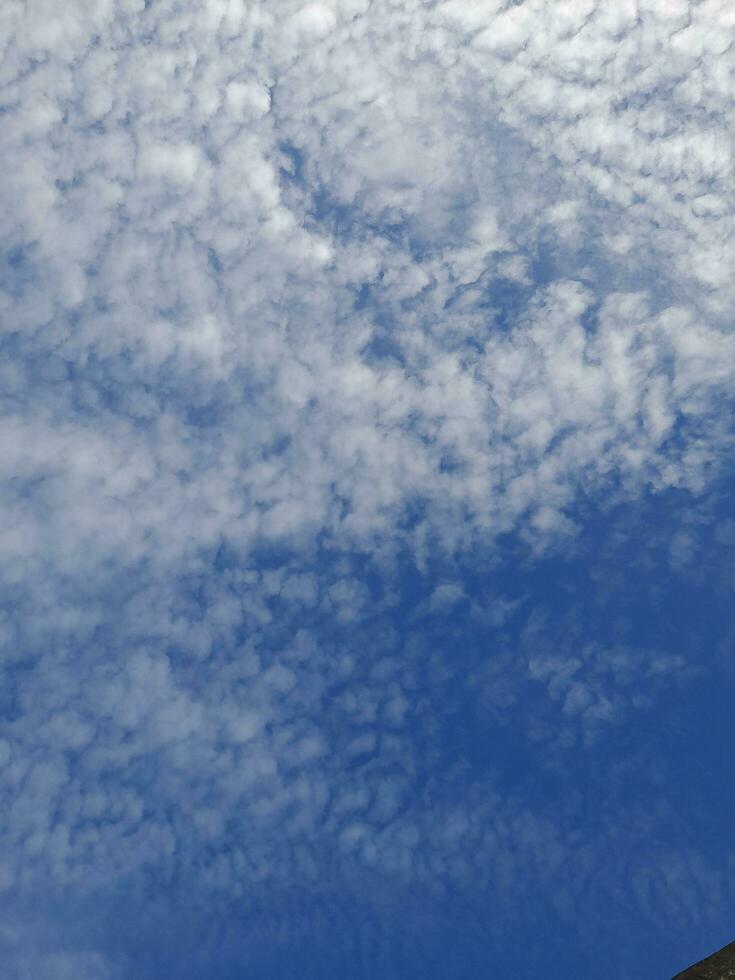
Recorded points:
(367,523)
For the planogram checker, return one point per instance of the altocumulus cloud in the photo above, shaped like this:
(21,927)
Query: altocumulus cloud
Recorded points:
(367,374)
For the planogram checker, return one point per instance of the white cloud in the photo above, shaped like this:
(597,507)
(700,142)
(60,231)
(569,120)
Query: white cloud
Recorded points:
(257,256)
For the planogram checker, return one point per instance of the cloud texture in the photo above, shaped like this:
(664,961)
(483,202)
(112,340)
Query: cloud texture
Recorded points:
(343,343)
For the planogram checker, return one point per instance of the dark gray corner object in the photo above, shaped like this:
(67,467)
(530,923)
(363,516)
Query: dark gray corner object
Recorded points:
(719,966)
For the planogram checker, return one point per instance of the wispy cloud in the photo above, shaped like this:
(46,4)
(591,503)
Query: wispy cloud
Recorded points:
(326,329)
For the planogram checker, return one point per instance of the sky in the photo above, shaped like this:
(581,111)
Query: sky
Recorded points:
(367,508)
